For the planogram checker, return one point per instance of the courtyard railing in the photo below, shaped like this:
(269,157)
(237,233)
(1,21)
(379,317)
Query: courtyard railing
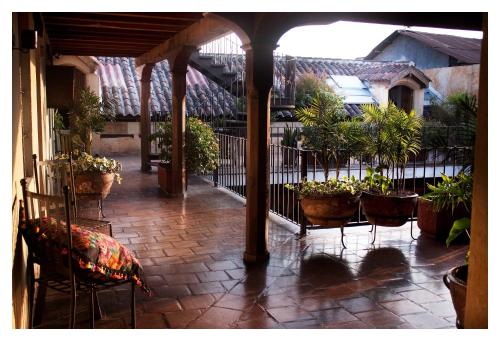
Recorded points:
(288,165)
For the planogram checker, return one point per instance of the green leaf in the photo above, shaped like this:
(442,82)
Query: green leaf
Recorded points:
(459,226)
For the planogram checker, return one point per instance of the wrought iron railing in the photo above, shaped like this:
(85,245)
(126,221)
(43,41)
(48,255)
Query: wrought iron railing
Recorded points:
(288,165)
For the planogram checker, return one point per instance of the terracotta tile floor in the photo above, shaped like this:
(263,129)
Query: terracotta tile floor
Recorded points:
(191,251)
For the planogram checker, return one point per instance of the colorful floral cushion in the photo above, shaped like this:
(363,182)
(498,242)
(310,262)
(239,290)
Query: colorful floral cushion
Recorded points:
(95,255)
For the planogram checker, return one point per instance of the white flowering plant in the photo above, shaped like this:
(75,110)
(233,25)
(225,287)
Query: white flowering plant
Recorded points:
(330,187)
(84,163)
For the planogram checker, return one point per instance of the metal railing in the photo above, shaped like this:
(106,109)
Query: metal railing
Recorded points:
(288,165)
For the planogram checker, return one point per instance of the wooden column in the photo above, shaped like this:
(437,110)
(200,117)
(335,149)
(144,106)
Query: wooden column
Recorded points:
(178,67)
(476,307)
(178,131)
(145,117)
(259,80)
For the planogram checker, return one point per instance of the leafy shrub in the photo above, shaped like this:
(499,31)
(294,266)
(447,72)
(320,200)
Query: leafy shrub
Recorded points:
(202,146)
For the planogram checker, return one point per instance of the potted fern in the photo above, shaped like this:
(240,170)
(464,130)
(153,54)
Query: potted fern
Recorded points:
(456,278)
(446,202)
(328,132)
(201,150)
(394,136)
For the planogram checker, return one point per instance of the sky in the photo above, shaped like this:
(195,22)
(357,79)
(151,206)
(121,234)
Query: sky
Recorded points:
(346,40)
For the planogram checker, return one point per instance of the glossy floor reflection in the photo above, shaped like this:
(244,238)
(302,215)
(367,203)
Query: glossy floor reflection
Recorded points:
(191,251)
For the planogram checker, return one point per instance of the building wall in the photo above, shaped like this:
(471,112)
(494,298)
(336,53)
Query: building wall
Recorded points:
(29,135)
(449,80)
(408,49)
(380,90)
(118,145)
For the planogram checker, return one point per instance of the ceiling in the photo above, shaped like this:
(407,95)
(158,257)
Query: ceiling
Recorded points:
(112,34)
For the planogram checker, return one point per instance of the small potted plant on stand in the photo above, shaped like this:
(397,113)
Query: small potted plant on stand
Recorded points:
(201,150)
(328,132)
(93,174)
(394,136)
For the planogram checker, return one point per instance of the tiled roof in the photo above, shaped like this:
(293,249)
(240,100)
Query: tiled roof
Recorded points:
(464,50)
(120,81)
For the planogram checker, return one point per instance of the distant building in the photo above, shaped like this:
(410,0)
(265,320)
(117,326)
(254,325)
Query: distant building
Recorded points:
(427,50)
(450,62)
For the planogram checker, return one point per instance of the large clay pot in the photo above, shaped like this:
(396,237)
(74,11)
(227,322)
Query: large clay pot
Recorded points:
(94,183)
(388,210)
(332,211)
(438,224)
(456,281)
(165,178)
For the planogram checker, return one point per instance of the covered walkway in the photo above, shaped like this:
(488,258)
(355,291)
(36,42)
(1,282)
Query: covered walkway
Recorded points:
(191,250)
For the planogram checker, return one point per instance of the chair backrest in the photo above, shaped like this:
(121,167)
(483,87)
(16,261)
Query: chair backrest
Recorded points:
(65,144)
(52,175)
(53,207)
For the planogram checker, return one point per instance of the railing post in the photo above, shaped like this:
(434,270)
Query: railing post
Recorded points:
(216,176)
(303,174)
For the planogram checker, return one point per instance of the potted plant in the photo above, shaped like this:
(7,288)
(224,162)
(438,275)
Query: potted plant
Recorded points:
(201,150)
(331,203)
(328,130)
(394,136)
(446,202)
(93,174)
(456,278)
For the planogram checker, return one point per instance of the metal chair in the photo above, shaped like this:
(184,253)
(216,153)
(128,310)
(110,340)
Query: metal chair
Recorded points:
(52,175)
(54,272)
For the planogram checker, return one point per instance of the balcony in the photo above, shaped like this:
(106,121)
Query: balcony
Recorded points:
(191,251)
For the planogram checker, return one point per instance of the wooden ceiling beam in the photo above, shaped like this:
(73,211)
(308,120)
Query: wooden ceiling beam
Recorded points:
(99,40)
(79,34)
(180,16)
(64,24)
(107,18)
(196,34)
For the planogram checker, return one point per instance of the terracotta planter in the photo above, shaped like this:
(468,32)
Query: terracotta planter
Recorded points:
(437,224)
(331,211)
(165,178)
(94,183)
(388,210)
(456,281)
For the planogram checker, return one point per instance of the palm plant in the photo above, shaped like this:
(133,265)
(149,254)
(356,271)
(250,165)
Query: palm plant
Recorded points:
(460,111)
(90,114)
(290,136)
(329,131)
(395,135)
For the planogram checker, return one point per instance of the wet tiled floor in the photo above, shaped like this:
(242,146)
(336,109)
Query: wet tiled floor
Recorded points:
(191,251)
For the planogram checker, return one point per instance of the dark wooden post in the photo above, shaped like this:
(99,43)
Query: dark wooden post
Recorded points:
(178,66)
(145,118)
(259,81)
(476,307)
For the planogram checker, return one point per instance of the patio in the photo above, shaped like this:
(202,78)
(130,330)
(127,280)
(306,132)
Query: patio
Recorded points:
(191,251)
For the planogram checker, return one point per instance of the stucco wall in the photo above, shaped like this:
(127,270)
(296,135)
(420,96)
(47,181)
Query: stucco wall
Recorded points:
(29,135)
(118,145)
(408,49)
(449,80)
(86,65)
(380,90)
